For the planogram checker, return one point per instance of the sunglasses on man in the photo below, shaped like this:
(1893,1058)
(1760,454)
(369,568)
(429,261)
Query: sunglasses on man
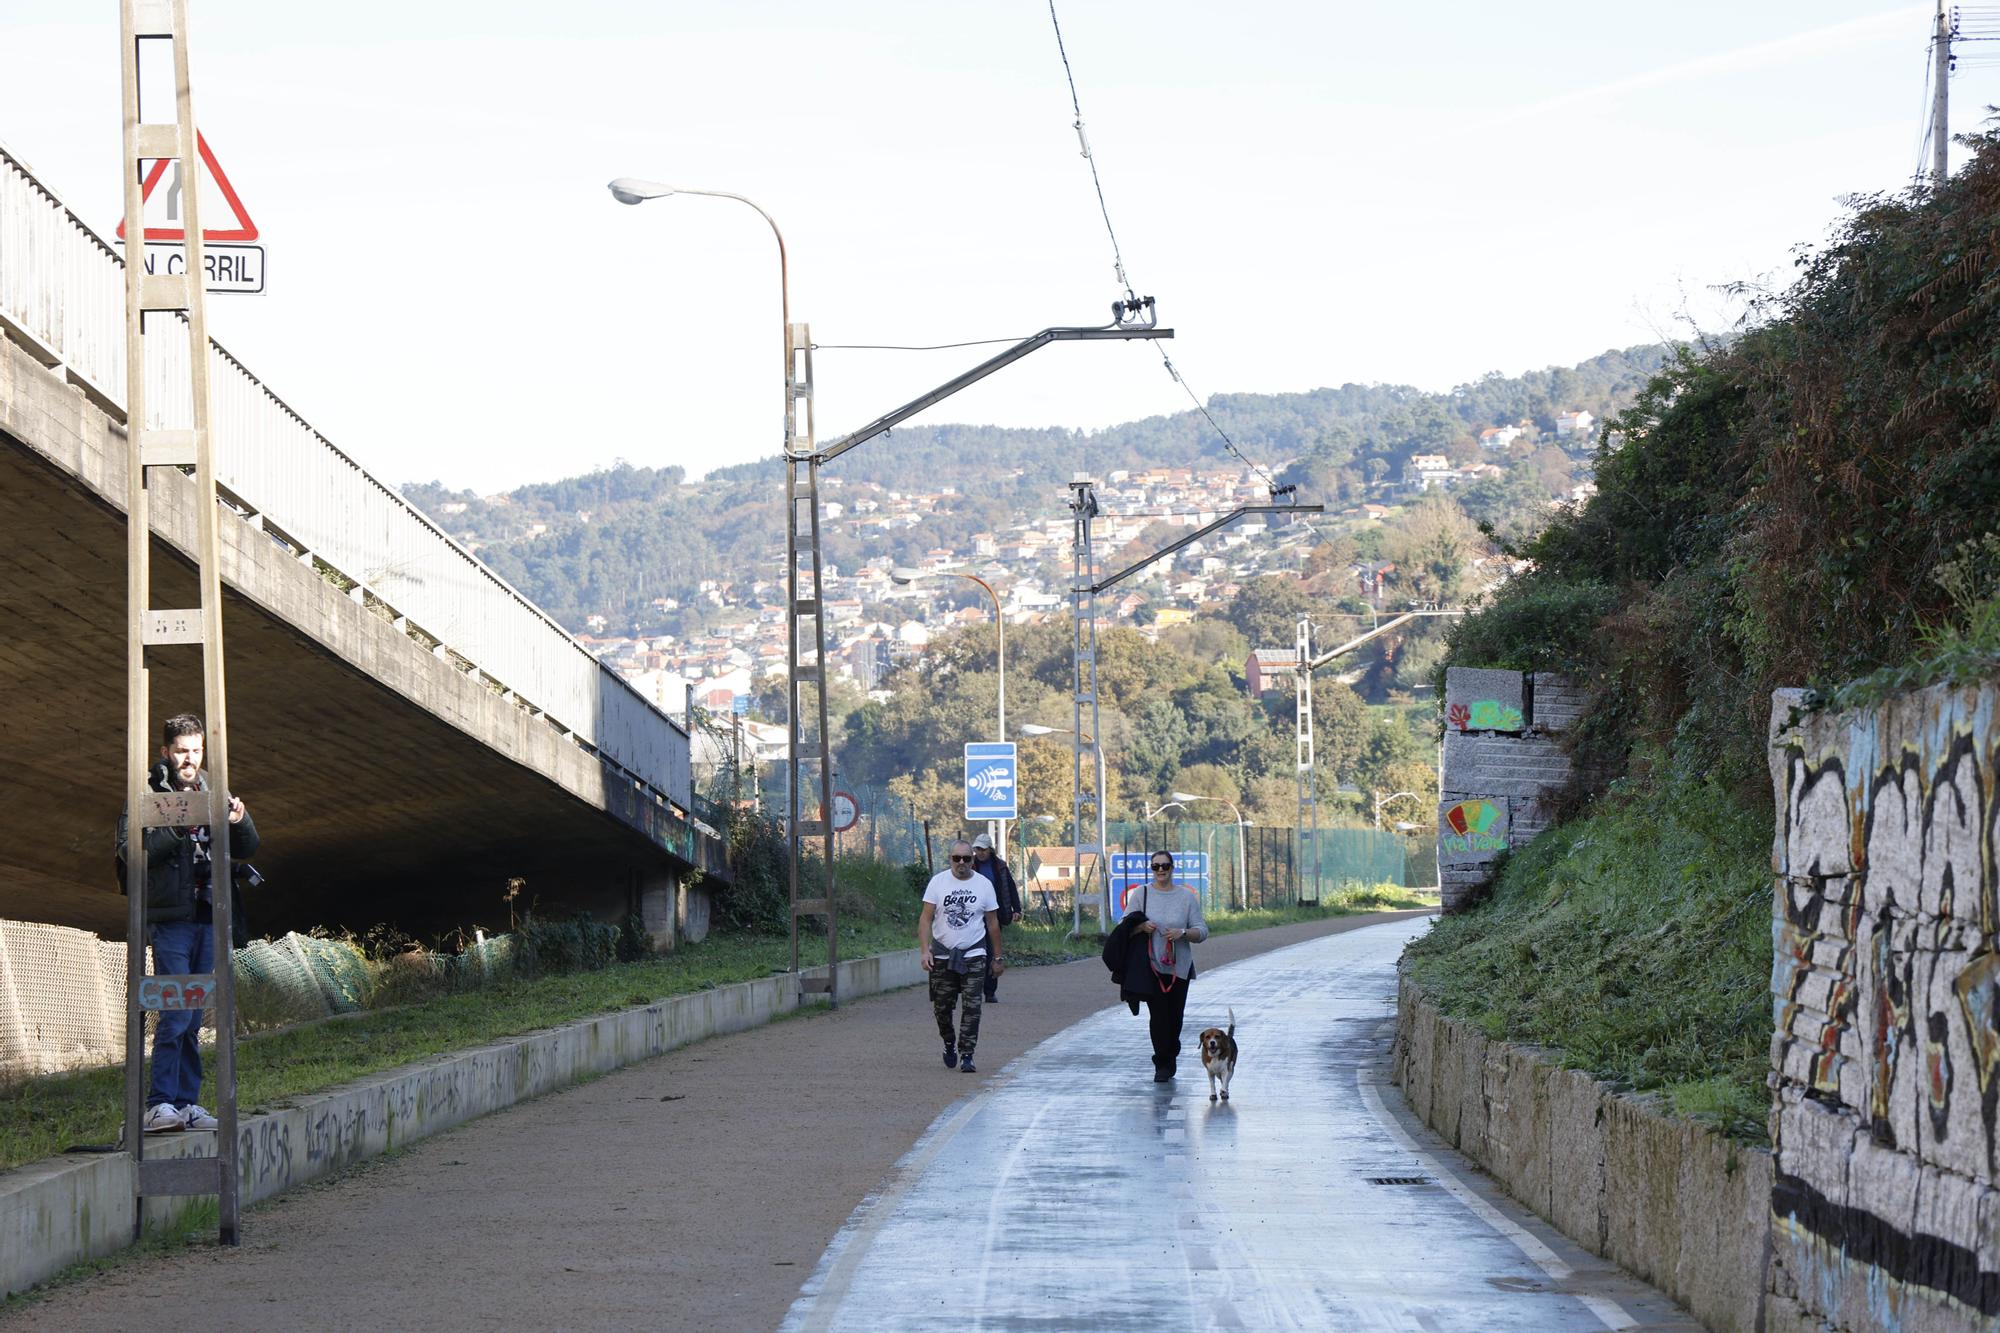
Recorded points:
(956,857)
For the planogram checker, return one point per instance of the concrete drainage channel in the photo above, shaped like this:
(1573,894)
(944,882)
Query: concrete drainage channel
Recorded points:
(61,1211)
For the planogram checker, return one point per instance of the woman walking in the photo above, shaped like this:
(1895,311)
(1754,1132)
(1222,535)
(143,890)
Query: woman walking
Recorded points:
(1172,924)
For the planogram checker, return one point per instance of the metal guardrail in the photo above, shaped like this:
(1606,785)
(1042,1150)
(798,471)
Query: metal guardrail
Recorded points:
(62,296)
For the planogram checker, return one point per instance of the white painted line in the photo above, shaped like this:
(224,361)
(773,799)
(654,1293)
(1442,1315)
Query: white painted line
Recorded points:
(1608,1312)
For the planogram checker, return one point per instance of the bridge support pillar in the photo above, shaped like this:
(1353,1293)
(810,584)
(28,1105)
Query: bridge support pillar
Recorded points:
(693,912)
(659,908)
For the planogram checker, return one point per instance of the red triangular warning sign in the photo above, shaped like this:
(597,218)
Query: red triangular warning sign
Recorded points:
(244,230)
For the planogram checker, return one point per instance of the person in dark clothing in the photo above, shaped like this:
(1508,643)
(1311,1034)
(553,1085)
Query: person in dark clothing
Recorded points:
(180,922)
(1169,919)
(1005,891)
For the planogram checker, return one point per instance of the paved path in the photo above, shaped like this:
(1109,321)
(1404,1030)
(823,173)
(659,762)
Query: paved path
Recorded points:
(1098,1199)
(692,1192)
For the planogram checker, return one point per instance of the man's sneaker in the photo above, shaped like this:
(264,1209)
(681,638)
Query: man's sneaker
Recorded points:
(162,1119)
(965,1066)
(950,1056)
(196,1116)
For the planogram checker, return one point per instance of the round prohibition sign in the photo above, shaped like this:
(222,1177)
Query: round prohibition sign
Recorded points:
(846,811)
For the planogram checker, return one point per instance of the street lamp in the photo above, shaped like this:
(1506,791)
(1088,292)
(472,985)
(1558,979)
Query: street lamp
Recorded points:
(1381,801)
(1103,854)
(1242,883)
(632,190)
(906,576)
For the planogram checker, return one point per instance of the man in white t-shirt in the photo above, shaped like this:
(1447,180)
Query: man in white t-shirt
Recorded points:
(958,941)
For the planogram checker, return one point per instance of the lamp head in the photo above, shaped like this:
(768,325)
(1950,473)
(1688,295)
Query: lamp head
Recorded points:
(632,190)
(1184,796)
(904,574)
(1037,729)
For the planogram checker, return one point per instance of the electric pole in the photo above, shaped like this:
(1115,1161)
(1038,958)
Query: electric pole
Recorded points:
(1940,98)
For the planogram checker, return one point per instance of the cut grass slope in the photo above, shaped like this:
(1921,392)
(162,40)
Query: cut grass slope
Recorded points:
(1637,941)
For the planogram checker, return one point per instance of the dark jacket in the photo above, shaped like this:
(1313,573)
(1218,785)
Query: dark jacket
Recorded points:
(1125,948)
(1005,891)
(170,860)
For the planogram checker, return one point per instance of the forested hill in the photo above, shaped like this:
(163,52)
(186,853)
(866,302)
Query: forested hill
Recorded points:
(1385,422)
(614,541)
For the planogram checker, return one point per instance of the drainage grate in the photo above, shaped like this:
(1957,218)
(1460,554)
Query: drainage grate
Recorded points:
(1400,1180)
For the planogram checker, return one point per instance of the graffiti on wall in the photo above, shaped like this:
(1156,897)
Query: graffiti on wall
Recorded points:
(1485,715)
(1473,826)
(1886,998)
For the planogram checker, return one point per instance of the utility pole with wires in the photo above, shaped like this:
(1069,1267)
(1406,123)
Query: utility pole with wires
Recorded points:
(1941,35)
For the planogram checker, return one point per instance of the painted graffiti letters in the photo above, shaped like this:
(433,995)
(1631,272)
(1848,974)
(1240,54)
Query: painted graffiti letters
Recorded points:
(1886,994)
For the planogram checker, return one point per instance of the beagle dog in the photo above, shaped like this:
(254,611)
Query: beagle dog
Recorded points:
(1218,1056)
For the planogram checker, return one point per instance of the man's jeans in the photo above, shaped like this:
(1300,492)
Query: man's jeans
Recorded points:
(180,948)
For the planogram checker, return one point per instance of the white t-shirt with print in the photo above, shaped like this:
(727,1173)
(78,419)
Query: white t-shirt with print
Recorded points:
(962,905)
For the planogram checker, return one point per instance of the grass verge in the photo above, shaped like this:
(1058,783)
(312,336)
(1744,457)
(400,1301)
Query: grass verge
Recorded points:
(41,1117)
(1637,941)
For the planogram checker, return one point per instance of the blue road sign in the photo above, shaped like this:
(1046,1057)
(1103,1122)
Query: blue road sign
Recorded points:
(989,780)
(1130,872)
(740,705)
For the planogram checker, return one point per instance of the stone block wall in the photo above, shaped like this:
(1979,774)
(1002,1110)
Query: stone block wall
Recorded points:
(1886,1004)
(1502,764)
(1666,1199)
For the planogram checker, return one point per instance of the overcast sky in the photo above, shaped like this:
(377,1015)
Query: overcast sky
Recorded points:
(1315,192)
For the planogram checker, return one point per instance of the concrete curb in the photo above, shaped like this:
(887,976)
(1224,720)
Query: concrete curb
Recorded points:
(1669,1200)
(63,1210)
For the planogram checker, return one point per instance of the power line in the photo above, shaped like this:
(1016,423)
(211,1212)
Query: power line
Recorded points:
(1083,141)
(1118,259)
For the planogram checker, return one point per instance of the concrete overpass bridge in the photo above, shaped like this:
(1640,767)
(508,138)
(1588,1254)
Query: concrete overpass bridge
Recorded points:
(410,731)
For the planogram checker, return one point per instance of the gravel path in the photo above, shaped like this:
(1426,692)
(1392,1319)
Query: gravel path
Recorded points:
(695,1191)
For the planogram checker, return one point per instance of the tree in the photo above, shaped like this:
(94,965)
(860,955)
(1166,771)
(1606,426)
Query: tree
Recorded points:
(1267,610)
(1432,544)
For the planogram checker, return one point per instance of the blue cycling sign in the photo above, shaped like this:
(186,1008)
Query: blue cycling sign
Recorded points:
(990,780)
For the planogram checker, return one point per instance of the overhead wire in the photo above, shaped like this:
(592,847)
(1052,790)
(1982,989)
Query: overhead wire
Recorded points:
(1924,117)
(1118,258)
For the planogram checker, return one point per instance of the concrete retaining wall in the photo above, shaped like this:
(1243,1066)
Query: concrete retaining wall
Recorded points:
(57,1212)
(1666,1199)
(1885,988)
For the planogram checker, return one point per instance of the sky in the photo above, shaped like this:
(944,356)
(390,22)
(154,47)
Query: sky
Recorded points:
(1315,193)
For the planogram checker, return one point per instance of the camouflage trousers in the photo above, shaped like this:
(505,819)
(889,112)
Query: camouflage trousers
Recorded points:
(966,990)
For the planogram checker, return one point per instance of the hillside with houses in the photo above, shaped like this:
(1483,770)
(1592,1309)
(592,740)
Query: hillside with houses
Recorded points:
(678,584)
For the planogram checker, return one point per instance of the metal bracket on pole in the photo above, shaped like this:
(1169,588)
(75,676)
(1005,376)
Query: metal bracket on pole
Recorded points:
(1119,328)
(1130,319)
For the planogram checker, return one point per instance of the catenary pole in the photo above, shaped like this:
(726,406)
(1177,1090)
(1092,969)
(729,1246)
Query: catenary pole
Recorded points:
(1941,97)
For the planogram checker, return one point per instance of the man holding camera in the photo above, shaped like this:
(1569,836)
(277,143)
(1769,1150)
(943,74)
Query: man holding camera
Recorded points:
(180,922)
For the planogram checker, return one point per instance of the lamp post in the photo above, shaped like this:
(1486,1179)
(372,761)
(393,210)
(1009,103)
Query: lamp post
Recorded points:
(905,577)
(632,190)
(1242,883)
(797,447)
(1103,854)
(1381,801)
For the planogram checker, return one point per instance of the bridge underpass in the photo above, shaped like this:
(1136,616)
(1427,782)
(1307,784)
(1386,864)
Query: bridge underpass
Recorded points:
(394,778)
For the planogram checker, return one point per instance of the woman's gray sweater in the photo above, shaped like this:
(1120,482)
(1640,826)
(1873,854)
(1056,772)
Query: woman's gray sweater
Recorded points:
(1178,908)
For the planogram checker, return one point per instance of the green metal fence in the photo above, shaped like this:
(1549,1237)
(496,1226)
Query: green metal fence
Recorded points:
(1275,866)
